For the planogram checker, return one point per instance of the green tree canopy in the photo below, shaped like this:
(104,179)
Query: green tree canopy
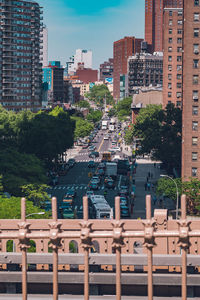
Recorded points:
(20,169)
(10,208)
(83,104)
(160,133)
(99,93)
(123,108)
(83,127)
(94,116)
(190,188)
(36,193)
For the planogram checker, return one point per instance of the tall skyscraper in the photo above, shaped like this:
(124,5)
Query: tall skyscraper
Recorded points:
(21,70)
(191,91)
(44,54)
(172,56)
(154,21)
(122,49)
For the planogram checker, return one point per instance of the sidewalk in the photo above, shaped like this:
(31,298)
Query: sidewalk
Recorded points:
(143,168)
(71,153)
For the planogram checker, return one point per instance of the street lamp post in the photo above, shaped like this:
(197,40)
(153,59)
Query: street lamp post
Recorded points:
(39,213)
(177,194)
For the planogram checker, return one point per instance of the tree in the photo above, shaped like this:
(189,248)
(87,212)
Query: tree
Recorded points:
(36,193)
(100,93)
(129,135)
(20,169)
(47,135)
(160,134)
(190,188)
(10,208)
(123,108)
(94,116)
(83,127)
(83,104)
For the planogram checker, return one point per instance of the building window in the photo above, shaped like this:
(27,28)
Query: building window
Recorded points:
(170,40)
(194,155)
(179,67)
(179,31)
(169,94)
(195,110)
(169,86)
(179,76)
(195,79)
(170,22)
(196,17)
(196,48)
(195,126)
(180,13)
(170,67)
(195,63)
(170,76)
(170,13)
(195,95)
(179,40)
(179,58)
(178,103)
(169,49)
(194,141)
(170,58)
(178,94)
(196,32)
(170,31)
(179,49)
(179,85)
(196,2)
(194,172)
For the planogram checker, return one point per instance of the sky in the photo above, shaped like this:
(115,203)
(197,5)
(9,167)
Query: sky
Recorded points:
(92,25)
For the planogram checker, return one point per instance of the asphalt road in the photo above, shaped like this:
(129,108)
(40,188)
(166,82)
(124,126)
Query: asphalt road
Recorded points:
(78,178)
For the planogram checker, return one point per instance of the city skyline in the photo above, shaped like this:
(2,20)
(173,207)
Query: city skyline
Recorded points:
(88,25)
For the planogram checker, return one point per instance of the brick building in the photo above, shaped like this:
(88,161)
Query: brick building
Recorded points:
(191,91)
(154,21)
(122,49)
(86,75)
(144,70)
(106,69)
(172,56)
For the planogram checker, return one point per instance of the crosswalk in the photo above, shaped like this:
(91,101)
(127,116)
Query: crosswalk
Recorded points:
(88,159)
(75,187)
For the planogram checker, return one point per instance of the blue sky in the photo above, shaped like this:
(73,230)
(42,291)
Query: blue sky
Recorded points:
(90,24)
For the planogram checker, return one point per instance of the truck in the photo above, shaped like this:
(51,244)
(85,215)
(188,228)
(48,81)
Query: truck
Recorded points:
(111,169)
(104,125)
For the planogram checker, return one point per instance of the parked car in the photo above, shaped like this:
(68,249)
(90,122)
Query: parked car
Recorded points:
(91,164)
(94,154)
(93,185)
(96,178)
(110,183)
(124,211)
(106,137)
(116,149)
(92,148)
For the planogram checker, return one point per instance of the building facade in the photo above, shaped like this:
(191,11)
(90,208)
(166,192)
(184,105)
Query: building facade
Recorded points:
(106,70)
(54,76)
(172,56)
(86,75)
(122,49)
(144,70)
(84,57)
(154,21)
(44,54)
(191,91)
(21,70)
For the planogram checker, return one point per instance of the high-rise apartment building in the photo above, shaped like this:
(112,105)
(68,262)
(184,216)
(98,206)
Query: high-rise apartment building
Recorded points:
(21,70)
(191,91)
(44,53)
(154,21)
(106,70)
(54,76)
(122,49)
(172,56)
(144,70)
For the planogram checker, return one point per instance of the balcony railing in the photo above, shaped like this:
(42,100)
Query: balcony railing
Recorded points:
(155,234)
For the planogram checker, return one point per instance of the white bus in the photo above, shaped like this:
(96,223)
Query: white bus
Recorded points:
(99,208)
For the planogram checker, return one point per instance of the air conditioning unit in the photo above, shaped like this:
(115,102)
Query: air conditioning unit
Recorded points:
(196,98)
(196,51)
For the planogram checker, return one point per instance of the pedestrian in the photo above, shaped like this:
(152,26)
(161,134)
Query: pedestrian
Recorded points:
(147,179)
(148,186)
(145,186)
(154,200)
